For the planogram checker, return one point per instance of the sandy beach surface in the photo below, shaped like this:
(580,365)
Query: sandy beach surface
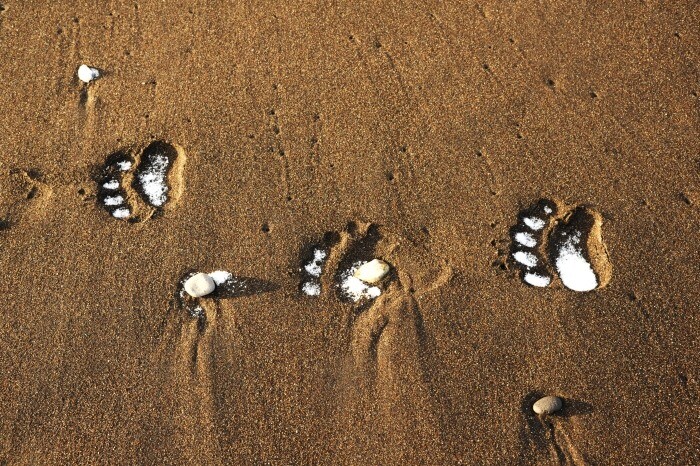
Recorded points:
(529,171)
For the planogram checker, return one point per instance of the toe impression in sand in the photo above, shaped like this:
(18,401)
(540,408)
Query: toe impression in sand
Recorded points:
(547,405)
(200,284)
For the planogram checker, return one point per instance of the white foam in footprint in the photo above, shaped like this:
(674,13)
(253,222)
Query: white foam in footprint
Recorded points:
(311,288)
(122,212)
(228,281)
(114,200)
(526,239)
(534,223)
(153,180)
(111,184)
(528,259)
(574,270)
(315,267)
(355,288)
(534,279)
(124,165)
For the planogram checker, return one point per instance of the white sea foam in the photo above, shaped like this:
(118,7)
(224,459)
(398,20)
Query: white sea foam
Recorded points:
(315,267)
(528,259)
(311,288)
(574,270)
(121,212)
(220,276)
(124,165)
(114,200)
(355,288)
(526,239)
(534,223)
(153,180)
(111,184)
(535,279)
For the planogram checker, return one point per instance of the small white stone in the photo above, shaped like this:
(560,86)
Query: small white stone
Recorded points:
(88,73)
(372,271)
(199,285)
(547,405)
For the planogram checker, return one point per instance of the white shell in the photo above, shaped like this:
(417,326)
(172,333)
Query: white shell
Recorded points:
(88,73)
(372,271)
(547,405)
(199,285)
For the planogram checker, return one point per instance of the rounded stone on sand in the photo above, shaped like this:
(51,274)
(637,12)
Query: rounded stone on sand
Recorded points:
(547,405)
(88,73)
(199,285)
(372,272)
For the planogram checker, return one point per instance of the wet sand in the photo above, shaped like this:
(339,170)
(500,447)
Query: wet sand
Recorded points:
(418,134)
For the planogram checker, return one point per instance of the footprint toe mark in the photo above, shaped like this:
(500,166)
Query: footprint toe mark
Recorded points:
(551,240)
(138,185)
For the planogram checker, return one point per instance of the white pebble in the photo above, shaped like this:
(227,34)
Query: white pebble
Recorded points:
(547,405)
(372,272)
(199,285)
(88,73)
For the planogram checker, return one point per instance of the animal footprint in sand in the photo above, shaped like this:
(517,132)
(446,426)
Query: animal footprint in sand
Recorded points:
(136,186)
(550,240)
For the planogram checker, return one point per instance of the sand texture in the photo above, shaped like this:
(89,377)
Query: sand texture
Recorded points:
(277,146)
